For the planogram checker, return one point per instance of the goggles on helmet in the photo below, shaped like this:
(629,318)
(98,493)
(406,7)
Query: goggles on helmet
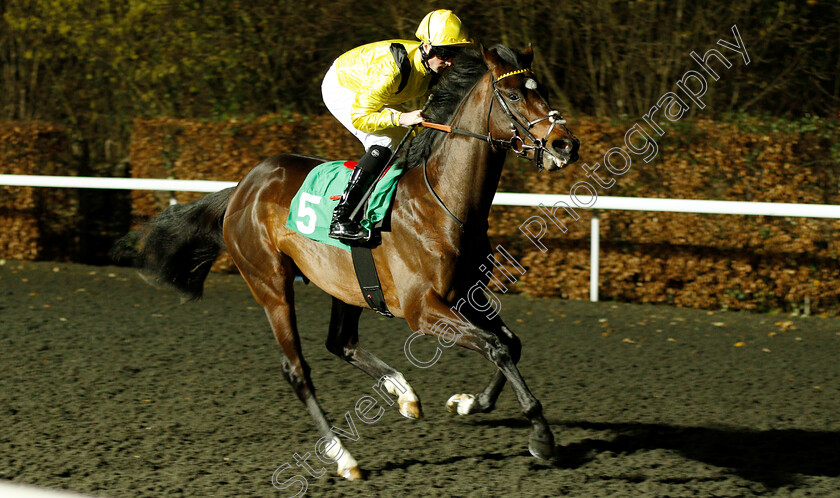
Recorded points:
(443,53)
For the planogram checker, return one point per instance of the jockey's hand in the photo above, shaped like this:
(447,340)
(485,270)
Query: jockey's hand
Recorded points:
(411,118)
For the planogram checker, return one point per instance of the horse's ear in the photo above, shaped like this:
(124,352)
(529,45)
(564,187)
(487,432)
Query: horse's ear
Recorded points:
(528,56)
(491,58)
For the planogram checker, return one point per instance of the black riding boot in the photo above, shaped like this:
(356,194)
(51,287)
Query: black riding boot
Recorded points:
(367,171)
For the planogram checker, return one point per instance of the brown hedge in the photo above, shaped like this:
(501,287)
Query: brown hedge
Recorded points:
(708,261)
(31,217)
(185,149)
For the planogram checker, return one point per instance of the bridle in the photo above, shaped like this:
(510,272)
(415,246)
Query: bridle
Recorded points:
(518,124)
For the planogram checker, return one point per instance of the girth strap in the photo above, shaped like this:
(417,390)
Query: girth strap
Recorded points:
(369,280)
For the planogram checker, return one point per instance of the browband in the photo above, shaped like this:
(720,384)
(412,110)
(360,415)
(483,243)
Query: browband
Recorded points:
(518,71)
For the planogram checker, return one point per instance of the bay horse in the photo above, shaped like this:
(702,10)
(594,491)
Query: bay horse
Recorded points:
(426,260)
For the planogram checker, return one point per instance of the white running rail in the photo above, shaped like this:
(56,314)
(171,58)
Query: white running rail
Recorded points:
(502,198)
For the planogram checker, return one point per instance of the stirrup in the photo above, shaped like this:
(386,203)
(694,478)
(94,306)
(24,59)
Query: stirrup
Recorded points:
(343,233)
(342,227)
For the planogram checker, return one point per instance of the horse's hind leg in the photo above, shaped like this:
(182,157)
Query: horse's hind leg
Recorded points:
(343,341)
(272,288)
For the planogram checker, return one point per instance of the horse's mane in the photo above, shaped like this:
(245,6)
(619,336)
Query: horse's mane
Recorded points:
(468,66)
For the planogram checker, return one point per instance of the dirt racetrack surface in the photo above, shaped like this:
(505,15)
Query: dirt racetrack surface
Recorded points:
(111,387)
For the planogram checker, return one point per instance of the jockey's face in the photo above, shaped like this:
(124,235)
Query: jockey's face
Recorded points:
(436,62)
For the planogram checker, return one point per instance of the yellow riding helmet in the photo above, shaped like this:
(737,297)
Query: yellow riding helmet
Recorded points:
(441,28)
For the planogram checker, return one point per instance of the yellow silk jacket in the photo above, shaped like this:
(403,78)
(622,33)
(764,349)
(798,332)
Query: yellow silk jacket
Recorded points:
(372,72)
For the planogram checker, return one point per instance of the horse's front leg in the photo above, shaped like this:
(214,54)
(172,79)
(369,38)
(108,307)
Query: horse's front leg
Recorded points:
(432,315)
(485,401)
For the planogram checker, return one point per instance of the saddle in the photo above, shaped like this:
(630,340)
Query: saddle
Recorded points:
(311,211)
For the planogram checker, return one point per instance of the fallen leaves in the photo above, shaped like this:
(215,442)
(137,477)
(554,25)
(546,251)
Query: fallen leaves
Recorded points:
(786,325)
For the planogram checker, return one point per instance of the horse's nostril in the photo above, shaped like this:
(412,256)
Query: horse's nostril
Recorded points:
(562,145)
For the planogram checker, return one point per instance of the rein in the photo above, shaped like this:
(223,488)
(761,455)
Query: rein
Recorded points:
(439,200)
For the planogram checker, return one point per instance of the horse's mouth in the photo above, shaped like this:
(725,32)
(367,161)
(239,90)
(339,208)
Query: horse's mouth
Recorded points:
(564,153)
(554,161)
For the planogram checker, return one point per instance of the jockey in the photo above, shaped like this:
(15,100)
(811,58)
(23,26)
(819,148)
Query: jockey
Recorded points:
(362,90)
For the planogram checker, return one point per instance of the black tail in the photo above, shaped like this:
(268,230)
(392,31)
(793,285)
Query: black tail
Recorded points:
(178,246)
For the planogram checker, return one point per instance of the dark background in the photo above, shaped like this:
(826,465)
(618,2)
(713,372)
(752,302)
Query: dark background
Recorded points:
(96,66)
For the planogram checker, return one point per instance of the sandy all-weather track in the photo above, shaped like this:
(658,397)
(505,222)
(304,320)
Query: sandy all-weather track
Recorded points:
(111,387)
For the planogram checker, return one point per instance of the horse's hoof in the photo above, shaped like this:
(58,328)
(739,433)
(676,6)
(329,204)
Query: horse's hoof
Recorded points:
(411,409)
(352,474)
(544,450)
(460,404)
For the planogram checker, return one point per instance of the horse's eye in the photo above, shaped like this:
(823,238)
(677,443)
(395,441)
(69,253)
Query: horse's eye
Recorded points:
(514,97)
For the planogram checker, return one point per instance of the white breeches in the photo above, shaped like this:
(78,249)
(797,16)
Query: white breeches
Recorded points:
(339,100)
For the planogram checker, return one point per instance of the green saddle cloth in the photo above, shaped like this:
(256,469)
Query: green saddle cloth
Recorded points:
(311,210)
